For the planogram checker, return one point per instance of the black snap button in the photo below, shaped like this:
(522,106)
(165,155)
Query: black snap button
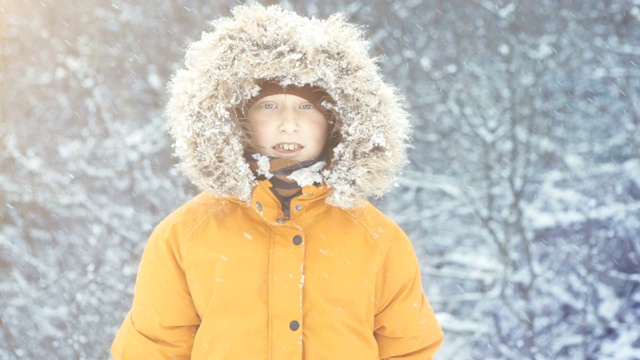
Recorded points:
(298,207)
(297,239)
(294,325)
(259,206)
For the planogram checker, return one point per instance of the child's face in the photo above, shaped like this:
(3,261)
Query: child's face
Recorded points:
(287,126)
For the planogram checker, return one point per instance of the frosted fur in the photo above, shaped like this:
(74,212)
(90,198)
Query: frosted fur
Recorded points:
(221,73)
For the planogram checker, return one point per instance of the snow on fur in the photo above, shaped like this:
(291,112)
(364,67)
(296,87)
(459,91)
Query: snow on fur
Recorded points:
(309,175)
(264,166)
(221,73)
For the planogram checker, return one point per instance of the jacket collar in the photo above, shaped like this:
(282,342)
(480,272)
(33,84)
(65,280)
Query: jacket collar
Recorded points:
(310,203)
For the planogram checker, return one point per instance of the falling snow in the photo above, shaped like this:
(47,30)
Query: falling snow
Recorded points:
(521,196)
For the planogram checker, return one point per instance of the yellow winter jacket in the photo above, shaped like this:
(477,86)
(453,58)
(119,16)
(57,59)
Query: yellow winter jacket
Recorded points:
(223,280)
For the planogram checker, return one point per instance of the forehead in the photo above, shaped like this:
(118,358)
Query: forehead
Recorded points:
(283,98)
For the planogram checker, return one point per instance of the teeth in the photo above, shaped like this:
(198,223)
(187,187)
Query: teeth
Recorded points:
(287,147)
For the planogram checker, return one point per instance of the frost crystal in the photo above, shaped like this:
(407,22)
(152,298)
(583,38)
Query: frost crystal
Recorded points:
(263,165)
(308,176)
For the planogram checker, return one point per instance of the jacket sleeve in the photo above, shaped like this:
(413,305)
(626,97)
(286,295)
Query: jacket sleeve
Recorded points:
(162,322)
(405,325)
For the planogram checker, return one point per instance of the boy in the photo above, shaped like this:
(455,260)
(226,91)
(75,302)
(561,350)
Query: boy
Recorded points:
(286,125)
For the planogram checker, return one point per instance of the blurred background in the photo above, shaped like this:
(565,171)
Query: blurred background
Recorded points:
(522,196)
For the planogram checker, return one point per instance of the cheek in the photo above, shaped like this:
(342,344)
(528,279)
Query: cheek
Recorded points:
(320,133)
(257,130)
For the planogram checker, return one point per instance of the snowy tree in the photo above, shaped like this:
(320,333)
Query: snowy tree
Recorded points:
(88,169)
(519,173)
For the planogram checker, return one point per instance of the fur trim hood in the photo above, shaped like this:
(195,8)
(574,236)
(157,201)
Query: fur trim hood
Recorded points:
(222,72)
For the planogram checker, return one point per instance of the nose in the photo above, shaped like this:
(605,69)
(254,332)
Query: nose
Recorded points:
(288,122)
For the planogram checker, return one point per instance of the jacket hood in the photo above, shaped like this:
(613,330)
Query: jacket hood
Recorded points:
(222,72)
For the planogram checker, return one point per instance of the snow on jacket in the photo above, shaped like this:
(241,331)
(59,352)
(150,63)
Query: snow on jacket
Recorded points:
(221,280)
(226,276)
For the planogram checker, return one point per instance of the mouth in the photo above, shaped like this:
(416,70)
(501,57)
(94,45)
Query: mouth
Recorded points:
(287,147)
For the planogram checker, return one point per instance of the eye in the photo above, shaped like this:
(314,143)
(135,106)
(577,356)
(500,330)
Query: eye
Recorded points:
(268,105)
(306,106)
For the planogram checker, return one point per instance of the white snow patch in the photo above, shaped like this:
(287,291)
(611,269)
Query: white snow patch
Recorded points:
(263,165)
(504,49)
(308,176)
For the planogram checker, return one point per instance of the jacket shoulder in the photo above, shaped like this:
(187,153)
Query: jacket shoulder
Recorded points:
(185,220)
(381,228)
